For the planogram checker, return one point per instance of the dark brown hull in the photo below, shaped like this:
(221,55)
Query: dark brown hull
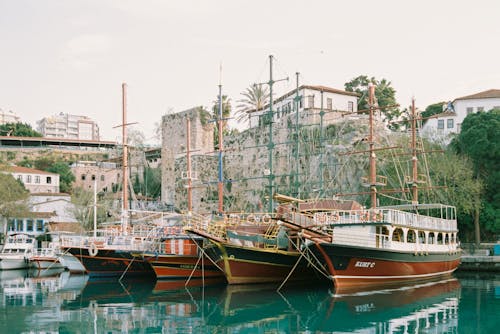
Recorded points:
(353,267)
(247,265)
(182,267)
(111,262)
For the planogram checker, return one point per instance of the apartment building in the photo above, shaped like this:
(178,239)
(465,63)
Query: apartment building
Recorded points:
(68,126)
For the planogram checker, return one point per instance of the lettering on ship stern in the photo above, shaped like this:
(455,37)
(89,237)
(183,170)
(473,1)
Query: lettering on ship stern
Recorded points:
(364,264)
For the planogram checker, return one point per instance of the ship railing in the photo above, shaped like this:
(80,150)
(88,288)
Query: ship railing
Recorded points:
(43,252)
(382,216)
(383,241)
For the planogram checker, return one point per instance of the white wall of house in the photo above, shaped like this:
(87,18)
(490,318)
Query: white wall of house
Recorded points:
(45,209)
(465,107)
(36,181)
(310,105)
(58,204)
(445,125)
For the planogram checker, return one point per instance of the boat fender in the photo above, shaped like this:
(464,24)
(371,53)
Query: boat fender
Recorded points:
(335,217)
(266,218)
(93,249)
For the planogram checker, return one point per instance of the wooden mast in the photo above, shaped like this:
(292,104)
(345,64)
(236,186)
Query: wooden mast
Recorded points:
(125,206)
(220,184)
(188,158)
(373,166)
(414,153)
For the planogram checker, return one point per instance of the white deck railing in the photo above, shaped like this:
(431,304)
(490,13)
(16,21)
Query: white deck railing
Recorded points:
(387,216)
(383,241)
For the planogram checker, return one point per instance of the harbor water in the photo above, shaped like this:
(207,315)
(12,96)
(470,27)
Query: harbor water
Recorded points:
(57,302)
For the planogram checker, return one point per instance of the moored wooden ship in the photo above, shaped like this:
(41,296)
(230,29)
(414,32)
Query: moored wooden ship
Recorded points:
(252,248)
(382,245)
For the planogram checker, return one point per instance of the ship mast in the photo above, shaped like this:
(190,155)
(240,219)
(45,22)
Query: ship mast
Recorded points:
(414,153)
(188,158)
(125,206)
(297,132)
(373,166)
(270,145)
(220,184)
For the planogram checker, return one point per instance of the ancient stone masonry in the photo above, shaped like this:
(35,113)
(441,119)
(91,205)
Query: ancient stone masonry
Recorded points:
(174,144)
(246,161)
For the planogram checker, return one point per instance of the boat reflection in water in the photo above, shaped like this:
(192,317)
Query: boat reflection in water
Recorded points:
(67,303)
(430,306)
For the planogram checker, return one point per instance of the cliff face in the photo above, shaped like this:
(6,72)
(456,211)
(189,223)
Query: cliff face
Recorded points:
(317,169)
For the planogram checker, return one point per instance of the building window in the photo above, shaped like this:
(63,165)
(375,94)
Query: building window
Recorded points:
(20,178)
(479,109)
(37,179)
(102,177)
(29,225)
(449,123)
(301,102)
(83,177)
(39,225)
(93,177)
(329,103)
(28,178)
(350,106)
(19,225)
(470,110)
(440,123)
(11,225)
(310,101)
(49,179)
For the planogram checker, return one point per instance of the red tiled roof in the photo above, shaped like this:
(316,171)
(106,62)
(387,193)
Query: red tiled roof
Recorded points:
(26,170)
(331,204)
(487,94)
(444,114)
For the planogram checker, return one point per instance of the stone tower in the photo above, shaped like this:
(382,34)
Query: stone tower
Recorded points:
(174,136)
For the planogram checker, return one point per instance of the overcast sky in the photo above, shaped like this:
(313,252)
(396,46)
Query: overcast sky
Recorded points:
(72,56)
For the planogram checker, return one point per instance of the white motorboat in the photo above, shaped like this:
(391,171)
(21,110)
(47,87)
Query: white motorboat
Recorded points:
(16,252)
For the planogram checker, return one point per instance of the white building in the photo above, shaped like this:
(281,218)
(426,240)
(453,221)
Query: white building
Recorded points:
(311,100)
(8,117)
(34,180)
(448,123)
(47,209)
(69,126)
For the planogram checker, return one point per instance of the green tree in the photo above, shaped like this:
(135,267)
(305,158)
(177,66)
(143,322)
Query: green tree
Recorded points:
(83,210)
(254,99)
(18,130)
(13,198)
(449,180)
(44,163)
(66,177)
(385,96)
(151,185)
(431,110)
(479,139)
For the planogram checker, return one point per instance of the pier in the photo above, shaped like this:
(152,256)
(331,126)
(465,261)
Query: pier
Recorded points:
(486,257)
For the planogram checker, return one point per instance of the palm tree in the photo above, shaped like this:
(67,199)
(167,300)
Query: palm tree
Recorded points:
(255,98)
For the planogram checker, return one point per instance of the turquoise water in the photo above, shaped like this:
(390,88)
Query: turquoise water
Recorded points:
(55,302)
